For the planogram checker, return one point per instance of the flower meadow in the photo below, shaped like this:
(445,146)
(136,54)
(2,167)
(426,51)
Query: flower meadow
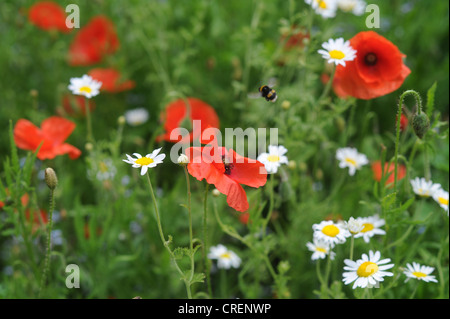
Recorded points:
(118,178)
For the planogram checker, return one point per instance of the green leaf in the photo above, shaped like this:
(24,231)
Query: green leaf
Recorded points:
(404,207)
(388,201)
(14,155)
(198,277)
(430,99)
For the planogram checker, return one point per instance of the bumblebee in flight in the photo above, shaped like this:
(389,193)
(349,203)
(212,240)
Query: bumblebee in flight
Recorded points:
(267,92)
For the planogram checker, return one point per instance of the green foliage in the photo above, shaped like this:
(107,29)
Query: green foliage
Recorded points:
(219,52)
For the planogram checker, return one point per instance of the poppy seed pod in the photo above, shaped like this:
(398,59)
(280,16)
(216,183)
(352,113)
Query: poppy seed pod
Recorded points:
(50,178)
(421,124)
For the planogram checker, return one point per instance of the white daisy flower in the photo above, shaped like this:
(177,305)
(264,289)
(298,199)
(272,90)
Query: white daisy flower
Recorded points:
(349,157)
(146,162)
(337,51)
(137,116)
(85,85)
(424,188)
(371,227)
(274,158)
(419,272)
(368,271)
(357,7)
(225,258)
(441,197)
(326,8)
(320,249)
(354,226)
(330,232)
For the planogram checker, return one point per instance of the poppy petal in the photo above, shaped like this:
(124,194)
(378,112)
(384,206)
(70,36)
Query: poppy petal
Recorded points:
(57,129)
(248,172)
(26,135)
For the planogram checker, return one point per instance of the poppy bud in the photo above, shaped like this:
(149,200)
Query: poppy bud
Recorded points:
(50,178)
(421,124)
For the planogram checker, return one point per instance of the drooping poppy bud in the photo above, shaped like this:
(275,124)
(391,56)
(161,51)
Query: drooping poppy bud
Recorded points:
(420,124)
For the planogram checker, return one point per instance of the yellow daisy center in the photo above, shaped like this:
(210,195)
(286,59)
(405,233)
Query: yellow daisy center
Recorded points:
(336,54)
(350,161)
(103,167)
(226,255)
(367,227)
(85,89)
(322,250)
(322,4)
(419,274)
(443,201)
(144,161)
(273,158)
(330,230)
(423,193)
(366,269)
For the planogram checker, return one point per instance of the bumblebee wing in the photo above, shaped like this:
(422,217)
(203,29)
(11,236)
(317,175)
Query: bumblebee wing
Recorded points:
(254,95)
(272,82)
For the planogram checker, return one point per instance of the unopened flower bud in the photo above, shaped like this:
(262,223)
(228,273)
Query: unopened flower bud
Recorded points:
(286,105)
(292,164)
(50,178)
(215,192)
(89,147)
(121,120)
(183,160)
(34,93)
(340,123)
(421,124)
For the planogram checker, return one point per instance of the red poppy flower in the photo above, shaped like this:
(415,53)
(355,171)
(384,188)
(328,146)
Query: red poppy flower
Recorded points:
(53,132)
(111,80)
(244,218)
(226,170)
(75,105)
(388,169)
(377,70)
(295,40)
(175,114)
(403,122)
(48,15)
(95,40)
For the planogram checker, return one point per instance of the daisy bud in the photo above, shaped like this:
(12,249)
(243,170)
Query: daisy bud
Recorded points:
(340,123)
(50,178)
(286,105)
(215,192)
(183,160)
(421,124)
(121,120)
(292,164)
(89,147)
(354,226)
(34,93)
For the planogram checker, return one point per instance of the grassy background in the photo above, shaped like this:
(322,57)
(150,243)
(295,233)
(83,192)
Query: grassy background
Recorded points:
(217,51)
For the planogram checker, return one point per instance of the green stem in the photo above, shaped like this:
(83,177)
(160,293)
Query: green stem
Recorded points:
(352,243)
(205,239)
(415,290)
(166,243)
(329,84)
(90,137)
(397,139)
(49,239)
(191,244)
(271,203)
(223,283)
